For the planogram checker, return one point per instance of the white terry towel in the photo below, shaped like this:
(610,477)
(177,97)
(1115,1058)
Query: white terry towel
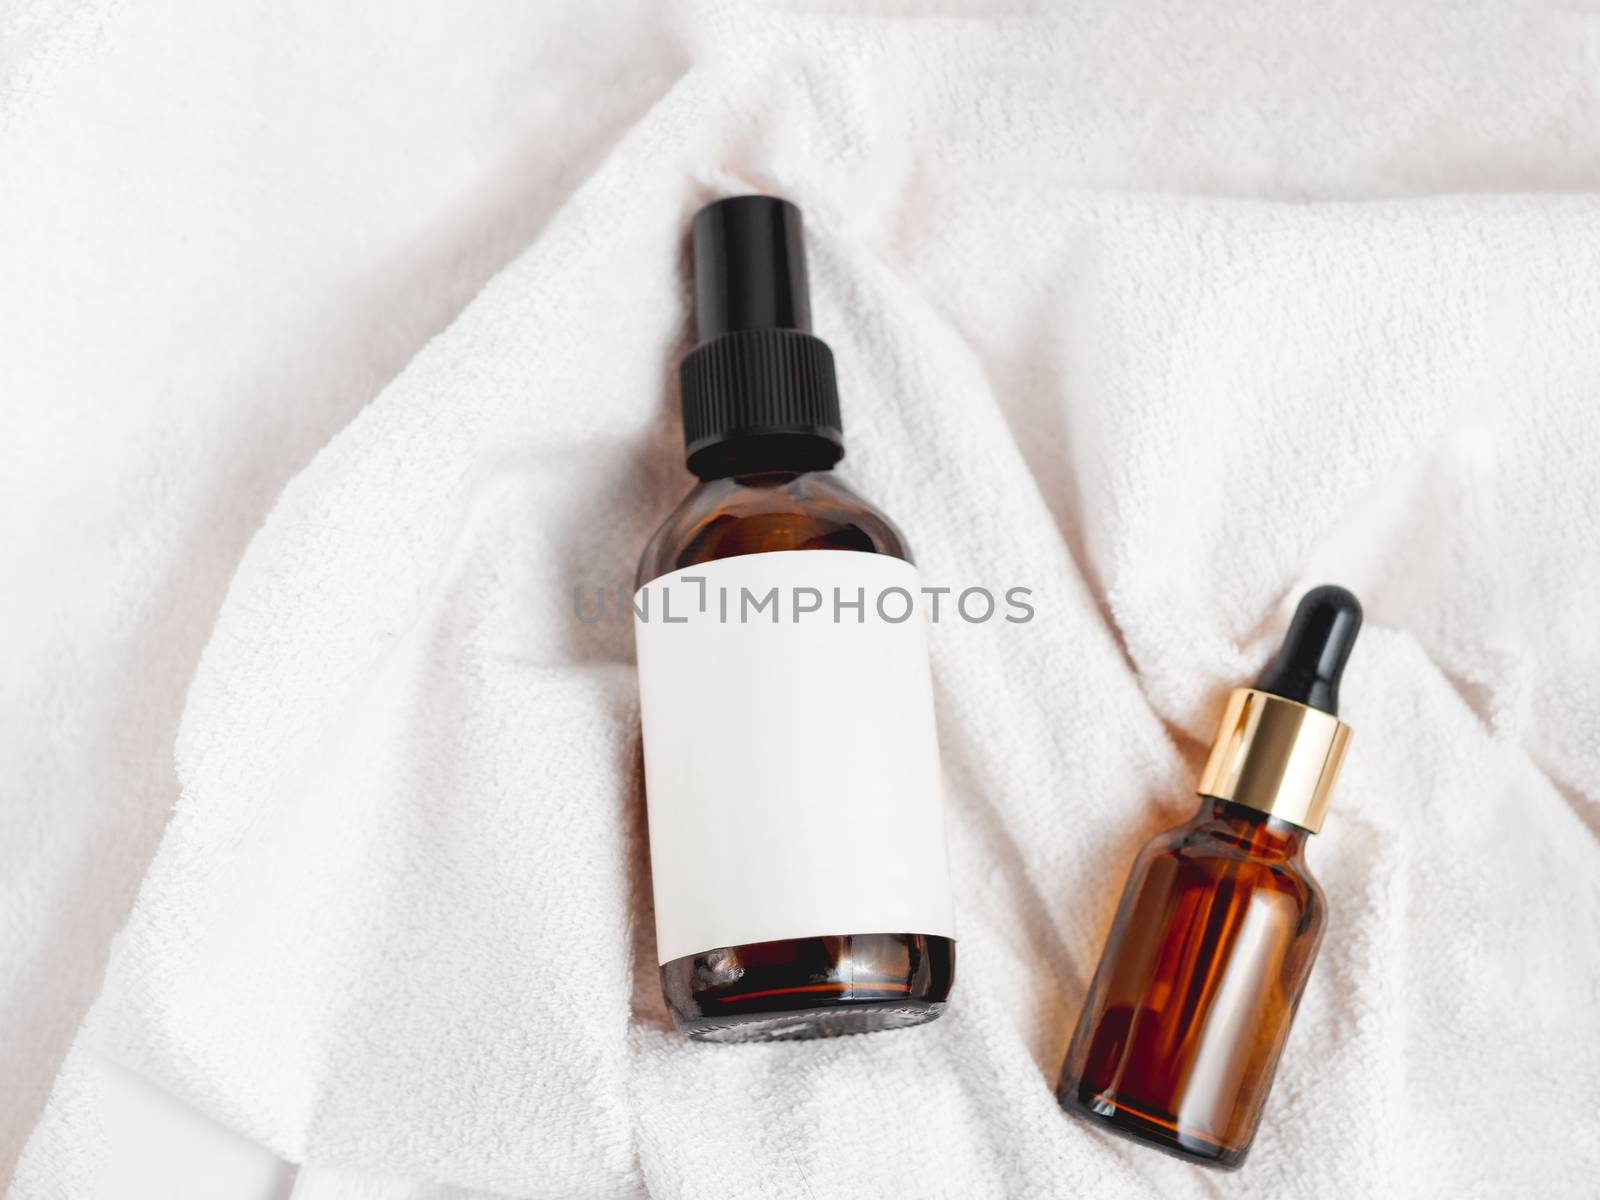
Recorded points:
(398,925)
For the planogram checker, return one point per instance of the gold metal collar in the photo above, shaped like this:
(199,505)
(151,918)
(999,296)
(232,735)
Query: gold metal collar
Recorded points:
(1276,756)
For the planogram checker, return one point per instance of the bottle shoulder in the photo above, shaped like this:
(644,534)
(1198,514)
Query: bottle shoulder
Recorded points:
(768,511)
(1205,853)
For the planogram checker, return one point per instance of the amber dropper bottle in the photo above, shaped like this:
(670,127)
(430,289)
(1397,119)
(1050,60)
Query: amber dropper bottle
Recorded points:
(791,770)
(1220,920)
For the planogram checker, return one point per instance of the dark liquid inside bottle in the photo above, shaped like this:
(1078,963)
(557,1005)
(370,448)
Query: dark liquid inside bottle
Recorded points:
(804,987)
(1196,989)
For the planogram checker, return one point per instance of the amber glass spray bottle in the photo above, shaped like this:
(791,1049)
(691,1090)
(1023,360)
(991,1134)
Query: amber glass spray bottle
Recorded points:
(1220,920)
(791,770)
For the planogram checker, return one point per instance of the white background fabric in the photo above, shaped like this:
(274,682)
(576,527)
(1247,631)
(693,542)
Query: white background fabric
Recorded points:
(337,348)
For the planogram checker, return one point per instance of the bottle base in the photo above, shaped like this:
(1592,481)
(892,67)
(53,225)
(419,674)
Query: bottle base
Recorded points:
(815,1023)
(810,987)
(1149,1126)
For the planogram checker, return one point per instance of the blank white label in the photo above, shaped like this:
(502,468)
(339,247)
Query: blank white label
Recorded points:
(791,762)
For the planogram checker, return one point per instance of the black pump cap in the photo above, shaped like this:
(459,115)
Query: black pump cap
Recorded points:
(1313,654)
(749,267)
(757,376)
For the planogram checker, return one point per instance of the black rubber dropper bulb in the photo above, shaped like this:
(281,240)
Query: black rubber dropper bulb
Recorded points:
(1313,654)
